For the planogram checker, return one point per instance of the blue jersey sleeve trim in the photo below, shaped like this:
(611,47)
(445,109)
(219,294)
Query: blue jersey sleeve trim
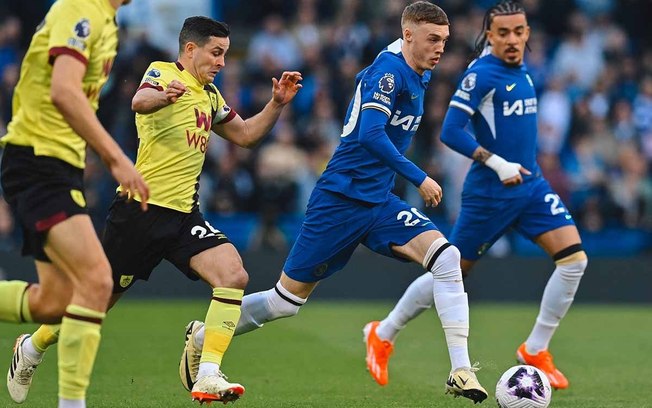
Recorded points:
(382,108)
(453,134)
(372,136)
(462,106)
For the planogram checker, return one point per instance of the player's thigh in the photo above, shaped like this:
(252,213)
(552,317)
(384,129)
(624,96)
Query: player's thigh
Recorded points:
(332,228)
(546,220)
(134,241)
(202,251)
(74,248)
(481,221)
(401,231)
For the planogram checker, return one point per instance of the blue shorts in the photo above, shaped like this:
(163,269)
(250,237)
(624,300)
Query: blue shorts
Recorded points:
(334,225)
(483,220)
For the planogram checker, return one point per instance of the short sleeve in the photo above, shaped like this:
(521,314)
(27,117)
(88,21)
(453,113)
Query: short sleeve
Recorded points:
(74,28)
(156,77)
(379,89)
(470,91)
(222,112)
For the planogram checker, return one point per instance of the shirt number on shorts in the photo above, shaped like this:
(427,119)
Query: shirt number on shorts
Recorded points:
(556,207)
(201,232)
(407,217)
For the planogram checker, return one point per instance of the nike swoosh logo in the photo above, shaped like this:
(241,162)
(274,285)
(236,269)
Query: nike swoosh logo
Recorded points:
(414,96)
(510,87)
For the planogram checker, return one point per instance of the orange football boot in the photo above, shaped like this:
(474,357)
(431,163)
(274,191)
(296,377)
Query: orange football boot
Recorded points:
(543,361)
(378,353)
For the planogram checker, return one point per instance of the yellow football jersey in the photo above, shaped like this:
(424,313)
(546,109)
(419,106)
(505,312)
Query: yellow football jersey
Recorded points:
(174,139)
(86,30)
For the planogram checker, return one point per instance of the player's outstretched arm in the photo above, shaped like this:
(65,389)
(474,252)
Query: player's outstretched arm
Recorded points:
(69,98)
(150,100)
(247,133)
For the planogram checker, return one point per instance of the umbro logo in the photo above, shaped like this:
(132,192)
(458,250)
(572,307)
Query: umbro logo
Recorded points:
(510,87)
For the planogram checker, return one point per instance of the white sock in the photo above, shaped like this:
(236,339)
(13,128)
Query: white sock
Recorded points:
(557,299)
(67,403)
(417,298)
(207,368)
(451,301)
(262,307)
(32,353)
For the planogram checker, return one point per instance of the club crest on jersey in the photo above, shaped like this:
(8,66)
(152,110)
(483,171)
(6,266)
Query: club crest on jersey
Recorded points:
(125,280)
(82,28)
(386,83)
(154,73)
(468,83)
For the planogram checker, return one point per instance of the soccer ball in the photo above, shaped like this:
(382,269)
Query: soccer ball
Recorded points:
(523,386)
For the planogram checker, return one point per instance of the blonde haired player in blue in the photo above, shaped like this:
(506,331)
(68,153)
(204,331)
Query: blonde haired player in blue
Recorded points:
(504,189)
(176,107)
(54,105)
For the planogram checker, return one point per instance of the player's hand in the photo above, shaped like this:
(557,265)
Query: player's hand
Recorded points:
(132,183)
(431,192)
(283,91)
(174,91)
(508,172)
(517,179)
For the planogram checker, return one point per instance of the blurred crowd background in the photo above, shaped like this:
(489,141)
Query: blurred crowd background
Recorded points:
(590,60)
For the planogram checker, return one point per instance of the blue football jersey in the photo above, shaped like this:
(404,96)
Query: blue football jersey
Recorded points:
(502,102)
(389,86)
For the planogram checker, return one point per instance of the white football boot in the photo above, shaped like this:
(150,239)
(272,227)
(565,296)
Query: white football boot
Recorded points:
(21,371)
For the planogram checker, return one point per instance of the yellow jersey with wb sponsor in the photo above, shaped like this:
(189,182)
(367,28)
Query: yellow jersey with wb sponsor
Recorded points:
(85,30)
(174,139)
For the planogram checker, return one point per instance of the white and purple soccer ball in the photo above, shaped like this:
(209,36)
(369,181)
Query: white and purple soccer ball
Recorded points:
(523,386)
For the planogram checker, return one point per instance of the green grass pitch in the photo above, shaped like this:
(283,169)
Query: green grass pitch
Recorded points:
(316,359)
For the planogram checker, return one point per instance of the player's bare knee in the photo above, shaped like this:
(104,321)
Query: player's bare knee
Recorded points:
(443,260)
(571,262)
(96,284)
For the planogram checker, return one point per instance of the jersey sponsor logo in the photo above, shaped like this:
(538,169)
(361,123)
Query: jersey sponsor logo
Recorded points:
(510,87)
(407,122)
(125,280)
(197,141)
(463,95)
(520,107)
(204,120)
(82,28)
(382,98)
(468,83)
(386,83)
(154,73)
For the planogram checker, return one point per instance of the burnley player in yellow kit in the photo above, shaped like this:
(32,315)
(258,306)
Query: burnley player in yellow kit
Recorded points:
(54,104)
(177,106)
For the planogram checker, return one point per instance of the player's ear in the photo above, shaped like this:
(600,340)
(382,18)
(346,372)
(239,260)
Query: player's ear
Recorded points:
(407,33)
(189,48)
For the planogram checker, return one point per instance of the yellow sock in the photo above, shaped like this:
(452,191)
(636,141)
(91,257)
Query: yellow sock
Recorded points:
(78,344)
(221,319)
(14,303)
(45,336)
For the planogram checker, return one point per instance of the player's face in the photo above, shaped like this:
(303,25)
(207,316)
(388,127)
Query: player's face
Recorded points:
(208,60)
(427,42)
(507,36)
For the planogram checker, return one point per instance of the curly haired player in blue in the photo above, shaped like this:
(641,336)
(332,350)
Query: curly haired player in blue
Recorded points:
(352,202)
(504,189)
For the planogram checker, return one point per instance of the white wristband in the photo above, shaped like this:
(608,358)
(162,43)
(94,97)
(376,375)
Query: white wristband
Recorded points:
(502,167)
